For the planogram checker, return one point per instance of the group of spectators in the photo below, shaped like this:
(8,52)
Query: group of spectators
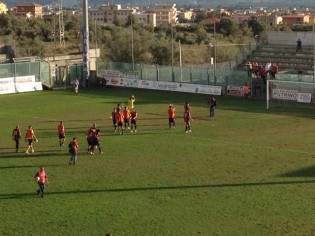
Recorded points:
(259,73)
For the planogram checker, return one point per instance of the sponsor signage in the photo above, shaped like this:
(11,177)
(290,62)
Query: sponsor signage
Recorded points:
(116,78)
(235,90)
(304,97)
(19,84)
(285,94)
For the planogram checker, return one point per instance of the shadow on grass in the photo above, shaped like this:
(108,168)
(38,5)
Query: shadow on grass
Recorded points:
(26,166)
(32,155)
(161,188)
(305,172)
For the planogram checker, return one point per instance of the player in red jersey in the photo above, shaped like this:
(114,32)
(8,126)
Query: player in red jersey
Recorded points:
(16,136)
(30,137)
(171,116)
(61,133)
(187,119)
(90,133)
(120,118)
(126,114)
(187,106)
(134,117)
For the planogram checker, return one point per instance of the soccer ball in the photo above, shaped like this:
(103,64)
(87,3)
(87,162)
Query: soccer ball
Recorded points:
(37,179)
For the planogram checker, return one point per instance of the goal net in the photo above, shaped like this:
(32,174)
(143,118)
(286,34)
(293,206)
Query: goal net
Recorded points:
(290,94)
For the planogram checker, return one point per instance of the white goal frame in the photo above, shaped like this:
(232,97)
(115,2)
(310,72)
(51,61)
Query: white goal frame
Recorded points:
(290,91)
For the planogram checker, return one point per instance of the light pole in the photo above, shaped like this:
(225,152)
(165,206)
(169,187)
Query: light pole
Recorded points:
(215,55)
(180,61)
(86,44)
(172,52)
(132,49)
(313,53)
(213,60)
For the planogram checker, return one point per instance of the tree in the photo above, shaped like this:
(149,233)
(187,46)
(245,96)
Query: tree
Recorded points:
(257,27)
(161,50)
(201,16)
(227,27)
(201,35)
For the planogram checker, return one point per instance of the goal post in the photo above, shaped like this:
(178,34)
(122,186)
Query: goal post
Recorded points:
(290,94)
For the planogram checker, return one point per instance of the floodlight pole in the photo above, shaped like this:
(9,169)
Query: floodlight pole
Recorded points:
(85,44)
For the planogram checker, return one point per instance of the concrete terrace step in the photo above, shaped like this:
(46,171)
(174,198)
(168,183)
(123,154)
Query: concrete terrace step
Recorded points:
(288,60)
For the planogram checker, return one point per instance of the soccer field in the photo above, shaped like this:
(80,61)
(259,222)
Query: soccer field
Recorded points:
(249,171)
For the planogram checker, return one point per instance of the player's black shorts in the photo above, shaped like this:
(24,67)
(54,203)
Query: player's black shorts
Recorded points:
(30,141)
(134,122)
(171,120)
(126,121)
(62,136)
(120,124)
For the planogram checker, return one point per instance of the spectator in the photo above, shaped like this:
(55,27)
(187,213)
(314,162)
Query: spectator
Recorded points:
(299,45)
(249,69)
(246,91)
(274,70)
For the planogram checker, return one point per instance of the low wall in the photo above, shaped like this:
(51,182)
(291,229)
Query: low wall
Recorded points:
(290,38)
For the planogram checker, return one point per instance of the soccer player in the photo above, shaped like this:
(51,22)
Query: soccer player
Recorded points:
(113,117)
(120,118)
(90,133)
(30,137)
(131,102)
(61,133)
(42,178)
(96,140)
(16,136)
(126,118)
(187,106)
(171,116)
(134,117)
(74,146)
(212,103)
(187,119)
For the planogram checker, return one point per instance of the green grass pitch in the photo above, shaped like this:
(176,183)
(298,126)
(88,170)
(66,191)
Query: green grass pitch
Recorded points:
(249,171)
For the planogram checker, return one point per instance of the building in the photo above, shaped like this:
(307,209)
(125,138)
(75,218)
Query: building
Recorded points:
(295,19)
(185,15)
(146,18)
(165,14)
(109,13)
(3,8)
(28,9)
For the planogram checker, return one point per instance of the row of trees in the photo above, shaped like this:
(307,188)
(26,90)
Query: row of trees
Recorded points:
(35,37)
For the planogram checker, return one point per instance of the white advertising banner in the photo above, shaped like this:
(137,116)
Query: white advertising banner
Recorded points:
(7,86)
(148,84)
(116,78)
(285,94)
(19,84)
(304,97)
(235,90)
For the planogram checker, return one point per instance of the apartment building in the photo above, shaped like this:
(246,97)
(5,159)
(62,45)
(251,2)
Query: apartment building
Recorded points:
(28,9)
(165,14)
(146,18)
(295,19)
(109,13)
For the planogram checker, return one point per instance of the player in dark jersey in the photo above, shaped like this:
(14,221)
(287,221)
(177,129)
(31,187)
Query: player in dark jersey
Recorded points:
(16,136)
(113,117)
(187,119)
(133,117)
